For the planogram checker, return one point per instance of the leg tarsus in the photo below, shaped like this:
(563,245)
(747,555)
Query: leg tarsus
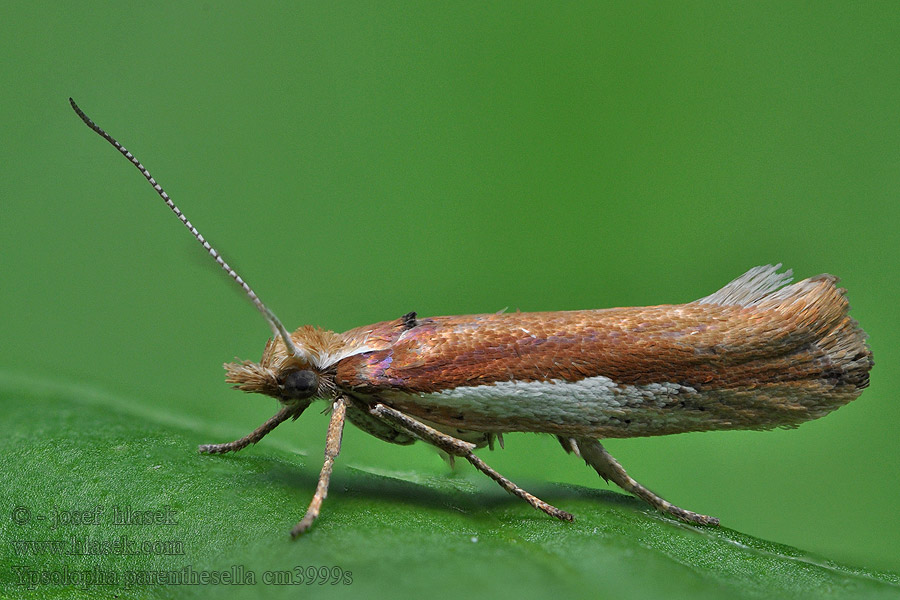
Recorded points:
(512,488)
(595,455)
(257,434)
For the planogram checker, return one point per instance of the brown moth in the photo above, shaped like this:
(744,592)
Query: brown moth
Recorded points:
(759,353)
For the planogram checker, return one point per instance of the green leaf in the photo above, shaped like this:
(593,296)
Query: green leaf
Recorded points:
(79,454)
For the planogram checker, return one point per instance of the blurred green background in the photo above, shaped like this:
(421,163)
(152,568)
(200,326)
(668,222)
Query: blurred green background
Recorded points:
(356,161)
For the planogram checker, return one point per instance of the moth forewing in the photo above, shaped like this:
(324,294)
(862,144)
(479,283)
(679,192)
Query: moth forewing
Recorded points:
(754,356)
(757,354)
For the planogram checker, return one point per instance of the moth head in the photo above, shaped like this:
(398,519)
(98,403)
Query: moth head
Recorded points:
(285,377)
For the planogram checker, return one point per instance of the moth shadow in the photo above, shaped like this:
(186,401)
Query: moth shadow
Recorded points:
(440,492)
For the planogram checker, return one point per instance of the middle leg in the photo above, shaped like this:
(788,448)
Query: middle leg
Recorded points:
(456,447)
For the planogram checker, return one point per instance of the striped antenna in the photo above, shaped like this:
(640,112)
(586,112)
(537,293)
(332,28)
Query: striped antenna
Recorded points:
(277,328)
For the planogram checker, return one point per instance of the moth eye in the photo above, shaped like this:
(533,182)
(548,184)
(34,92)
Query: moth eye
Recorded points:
(300,384)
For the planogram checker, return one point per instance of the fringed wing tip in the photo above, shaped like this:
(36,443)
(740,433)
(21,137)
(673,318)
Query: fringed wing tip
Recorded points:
(815,305)
(751,287)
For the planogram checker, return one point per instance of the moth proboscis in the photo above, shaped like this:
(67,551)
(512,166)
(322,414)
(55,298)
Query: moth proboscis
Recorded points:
(759,353)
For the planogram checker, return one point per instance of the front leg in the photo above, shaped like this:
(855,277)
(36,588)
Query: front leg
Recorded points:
(457,447)
(259,433)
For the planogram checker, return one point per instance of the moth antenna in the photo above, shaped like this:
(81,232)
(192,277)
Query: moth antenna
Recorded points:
(277,328)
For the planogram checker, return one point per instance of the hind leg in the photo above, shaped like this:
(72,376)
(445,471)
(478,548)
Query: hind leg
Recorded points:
(595,455)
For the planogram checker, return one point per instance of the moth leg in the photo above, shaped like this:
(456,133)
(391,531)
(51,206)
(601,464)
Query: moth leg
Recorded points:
(259,433)
(332,449)
(456,447)
(595,455)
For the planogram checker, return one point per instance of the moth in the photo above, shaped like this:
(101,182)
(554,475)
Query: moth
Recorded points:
(760,353)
